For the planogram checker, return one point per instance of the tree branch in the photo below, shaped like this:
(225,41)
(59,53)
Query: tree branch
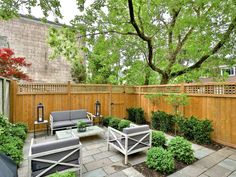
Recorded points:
(107,32)
(172,25)
(143,37)
(179,47)
(214,50)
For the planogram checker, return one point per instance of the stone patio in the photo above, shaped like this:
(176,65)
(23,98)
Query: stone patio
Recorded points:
(98,162)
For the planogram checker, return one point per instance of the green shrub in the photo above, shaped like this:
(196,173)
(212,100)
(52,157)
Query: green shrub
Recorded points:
(160,159)
(158,138)
(4,121)
(181,149)
(65,174)
(22,125)
(162,121)
(195,129)
(12,147)
(136,115)
(123,124)
(106,120)
(114,122)
(18,131)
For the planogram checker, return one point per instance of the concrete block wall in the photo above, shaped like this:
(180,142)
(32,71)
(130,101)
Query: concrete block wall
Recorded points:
(27,37)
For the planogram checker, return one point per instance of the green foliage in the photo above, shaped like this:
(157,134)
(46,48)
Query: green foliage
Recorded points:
(106,121)
(176,27)
(177,100)
(10,8)
(78,72)
(22,125)
(195,129)
(64,42)
(162,121)
(160,159)
(18,131)
(81,124)
(12,137)
(114,122)
(123,124)
(154,98)
(136,115)
(103,61)
(65,174)
(158,138)
(181,150)
(12,147)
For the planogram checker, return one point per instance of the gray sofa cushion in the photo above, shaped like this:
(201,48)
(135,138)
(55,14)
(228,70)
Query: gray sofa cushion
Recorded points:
(59,124)
(131,130)
(78,114)
(60,116)
(43,147)
(87,121)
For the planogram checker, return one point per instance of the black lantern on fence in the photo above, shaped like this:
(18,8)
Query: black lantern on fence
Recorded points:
(97,108)
(40,112)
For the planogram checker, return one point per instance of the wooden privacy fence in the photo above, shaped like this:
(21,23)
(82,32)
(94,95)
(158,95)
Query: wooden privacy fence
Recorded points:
(215,101)
(4,96)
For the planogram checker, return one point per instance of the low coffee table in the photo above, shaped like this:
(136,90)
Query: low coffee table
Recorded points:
(90,131)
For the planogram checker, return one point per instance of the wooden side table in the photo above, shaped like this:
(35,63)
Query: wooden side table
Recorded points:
(45,122)
(97,120)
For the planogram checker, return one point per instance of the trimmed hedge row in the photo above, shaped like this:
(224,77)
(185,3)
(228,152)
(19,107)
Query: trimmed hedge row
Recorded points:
(191,128)
(116,123)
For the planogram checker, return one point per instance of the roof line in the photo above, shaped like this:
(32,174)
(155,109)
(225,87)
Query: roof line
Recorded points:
(40,20)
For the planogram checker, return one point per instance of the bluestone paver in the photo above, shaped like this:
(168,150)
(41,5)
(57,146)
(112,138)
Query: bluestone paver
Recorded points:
(218,171)
(233,174)
(95,173)
(103,155)
(193,170)
(98,164)
(115,167)
(229,164)
(88,159)
(203,152)
(131,172)
(118,174)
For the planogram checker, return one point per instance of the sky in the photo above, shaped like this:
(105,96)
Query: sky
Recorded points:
(68,10)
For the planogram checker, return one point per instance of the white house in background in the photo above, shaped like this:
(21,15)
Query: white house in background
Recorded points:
(231,71)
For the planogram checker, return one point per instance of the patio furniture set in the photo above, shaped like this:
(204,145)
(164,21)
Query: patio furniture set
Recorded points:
(66,151)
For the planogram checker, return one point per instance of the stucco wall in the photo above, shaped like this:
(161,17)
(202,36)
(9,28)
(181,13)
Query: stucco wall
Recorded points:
(27,37)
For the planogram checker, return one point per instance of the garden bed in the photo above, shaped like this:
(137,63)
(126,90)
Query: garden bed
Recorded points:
(143,168)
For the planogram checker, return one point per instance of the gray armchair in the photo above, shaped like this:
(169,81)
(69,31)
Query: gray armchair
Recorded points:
(58,155)
(131,140)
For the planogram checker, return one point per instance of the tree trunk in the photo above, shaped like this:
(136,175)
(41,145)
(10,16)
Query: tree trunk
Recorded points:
(164,79)
(147,77)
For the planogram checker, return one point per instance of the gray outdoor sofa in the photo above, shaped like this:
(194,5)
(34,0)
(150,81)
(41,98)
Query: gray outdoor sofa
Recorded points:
(132,140)
(57,155)
(64,119)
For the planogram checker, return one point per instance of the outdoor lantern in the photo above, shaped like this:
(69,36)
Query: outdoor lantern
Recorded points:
(40,112)
(97,108)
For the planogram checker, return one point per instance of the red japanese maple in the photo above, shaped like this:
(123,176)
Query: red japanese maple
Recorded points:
(11,66)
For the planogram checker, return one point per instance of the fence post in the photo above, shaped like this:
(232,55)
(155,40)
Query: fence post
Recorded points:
(13,92)
(182,91)
(69,94)
(110,100)
(139,94)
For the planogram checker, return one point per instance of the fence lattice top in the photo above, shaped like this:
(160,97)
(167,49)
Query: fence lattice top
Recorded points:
(196,89)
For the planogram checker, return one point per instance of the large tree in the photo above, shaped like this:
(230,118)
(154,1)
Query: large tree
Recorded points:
(176,38)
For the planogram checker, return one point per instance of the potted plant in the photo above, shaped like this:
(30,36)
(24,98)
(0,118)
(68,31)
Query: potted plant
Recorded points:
(81,126)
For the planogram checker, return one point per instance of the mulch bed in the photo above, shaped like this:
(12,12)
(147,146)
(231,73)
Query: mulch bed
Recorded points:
(142,168)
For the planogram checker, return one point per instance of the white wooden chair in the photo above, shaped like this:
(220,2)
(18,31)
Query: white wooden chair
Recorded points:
(131,140)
